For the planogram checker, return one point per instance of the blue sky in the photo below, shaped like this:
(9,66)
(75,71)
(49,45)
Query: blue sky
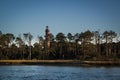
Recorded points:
(75,16)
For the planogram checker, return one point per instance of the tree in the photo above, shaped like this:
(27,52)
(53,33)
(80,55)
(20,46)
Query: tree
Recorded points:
(6,42)
(0,33)
(41,45)
(81,38)
(76,40)
(108,36)
(41,40)
(97,38)
(0,39)
(88,36)
(70,37)
(86,45)
(70,44)
(118,37)
(86,39)
(28,37)
(10,37)
(19,41)
(37,51)
(51,37)
(105,36)
(21,45)
(0,45)
(13,52)
(60,37)
(112,35)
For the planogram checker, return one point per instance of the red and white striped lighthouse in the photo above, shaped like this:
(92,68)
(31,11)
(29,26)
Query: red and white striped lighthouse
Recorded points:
(47,37)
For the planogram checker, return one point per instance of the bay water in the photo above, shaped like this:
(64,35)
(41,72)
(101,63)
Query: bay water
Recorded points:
(43,72)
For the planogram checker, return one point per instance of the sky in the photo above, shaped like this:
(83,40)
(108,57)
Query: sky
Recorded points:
(75,16)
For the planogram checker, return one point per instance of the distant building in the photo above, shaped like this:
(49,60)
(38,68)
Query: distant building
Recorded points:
(47,37)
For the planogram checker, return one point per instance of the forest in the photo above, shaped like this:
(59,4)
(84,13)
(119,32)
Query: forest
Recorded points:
(87,45)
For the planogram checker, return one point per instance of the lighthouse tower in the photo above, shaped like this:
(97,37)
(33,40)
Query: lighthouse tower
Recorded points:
(47,37)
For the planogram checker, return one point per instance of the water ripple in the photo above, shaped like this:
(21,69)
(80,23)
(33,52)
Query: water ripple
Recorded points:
(58,73)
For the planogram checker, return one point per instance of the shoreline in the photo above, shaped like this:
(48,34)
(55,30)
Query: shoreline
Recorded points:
(60,62)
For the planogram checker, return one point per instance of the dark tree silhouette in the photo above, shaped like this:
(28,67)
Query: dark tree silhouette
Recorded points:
(87,45)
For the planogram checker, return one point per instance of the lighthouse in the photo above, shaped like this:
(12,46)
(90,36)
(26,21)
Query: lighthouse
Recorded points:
(47,37)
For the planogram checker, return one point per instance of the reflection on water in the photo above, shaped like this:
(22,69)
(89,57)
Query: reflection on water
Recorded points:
(58,73)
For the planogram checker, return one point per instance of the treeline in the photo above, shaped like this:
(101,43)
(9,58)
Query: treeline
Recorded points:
(88,45)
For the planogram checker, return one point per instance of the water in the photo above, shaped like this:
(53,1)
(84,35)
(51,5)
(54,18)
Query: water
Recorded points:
(58,73)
